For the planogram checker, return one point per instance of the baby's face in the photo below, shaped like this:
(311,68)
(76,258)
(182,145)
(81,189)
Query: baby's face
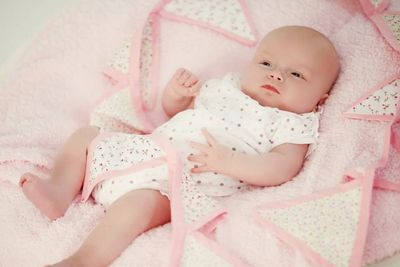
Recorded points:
(293,70)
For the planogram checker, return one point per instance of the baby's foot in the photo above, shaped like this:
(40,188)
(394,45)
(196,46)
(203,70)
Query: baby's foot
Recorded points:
(44,195)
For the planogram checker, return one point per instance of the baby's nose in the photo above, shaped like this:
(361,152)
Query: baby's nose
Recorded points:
(275,76)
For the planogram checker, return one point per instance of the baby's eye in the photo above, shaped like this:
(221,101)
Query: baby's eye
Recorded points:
(297,74)
(266,63)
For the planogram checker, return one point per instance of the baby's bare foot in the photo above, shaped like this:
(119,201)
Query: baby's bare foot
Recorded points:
(44,195)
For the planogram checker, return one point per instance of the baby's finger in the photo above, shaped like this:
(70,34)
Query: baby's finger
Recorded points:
(178,73)
(192,91)
(184,77)
(195,88)
(188,92)
(199,169)
(209,138)
(191,81)
(200,147)
(200,158)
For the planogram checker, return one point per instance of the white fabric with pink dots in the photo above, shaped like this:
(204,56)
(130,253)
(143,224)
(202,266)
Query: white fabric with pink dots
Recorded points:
(333,217)
(236,121)
(380,102)
(225,14)
(232,117)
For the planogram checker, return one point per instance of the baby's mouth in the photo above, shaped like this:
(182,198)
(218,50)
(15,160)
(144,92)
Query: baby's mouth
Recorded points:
(270,88)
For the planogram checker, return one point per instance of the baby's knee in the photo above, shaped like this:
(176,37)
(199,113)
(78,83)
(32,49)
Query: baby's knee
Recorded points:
(85,134)
(88,131)
(81,139)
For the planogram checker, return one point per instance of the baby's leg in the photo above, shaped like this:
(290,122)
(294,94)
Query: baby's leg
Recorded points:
(132,214)
(53,196)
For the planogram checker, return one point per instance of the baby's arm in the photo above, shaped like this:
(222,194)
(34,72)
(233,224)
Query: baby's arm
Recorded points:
(272,168)
(180,92)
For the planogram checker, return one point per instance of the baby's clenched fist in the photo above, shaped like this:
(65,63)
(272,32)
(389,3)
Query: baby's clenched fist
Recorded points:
(184,83)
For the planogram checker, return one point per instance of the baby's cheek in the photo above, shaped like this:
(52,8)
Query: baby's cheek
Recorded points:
(301,103)
(244,84)
(248,79)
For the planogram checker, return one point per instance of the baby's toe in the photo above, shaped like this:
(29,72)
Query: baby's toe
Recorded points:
(27,177)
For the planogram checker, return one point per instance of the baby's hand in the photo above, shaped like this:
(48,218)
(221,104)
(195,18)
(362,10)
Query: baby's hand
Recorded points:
(184,83)
(213,156)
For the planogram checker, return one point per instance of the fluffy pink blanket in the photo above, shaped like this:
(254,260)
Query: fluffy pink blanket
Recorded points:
(59,80)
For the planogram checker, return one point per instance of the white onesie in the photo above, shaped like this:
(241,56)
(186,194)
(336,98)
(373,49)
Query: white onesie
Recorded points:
(119,162)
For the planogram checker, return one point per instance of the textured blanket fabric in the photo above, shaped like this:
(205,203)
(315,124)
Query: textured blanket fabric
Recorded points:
(59,80)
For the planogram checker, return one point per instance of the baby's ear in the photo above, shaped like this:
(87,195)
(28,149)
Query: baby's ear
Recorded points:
(323,99)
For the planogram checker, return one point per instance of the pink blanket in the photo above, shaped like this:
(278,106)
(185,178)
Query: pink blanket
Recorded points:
(59,80)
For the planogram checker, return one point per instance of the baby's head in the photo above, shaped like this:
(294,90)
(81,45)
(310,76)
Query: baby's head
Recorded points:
(293,69)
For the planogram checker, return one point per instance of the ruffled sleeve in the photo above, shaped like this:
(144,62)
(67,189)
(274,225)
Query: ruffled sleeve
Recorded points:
(296,129)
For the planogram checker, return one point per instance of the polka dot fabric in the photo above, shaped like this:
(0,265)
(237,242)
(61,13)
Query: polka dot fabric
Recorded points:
(233,118)
(296,129)
(108,191)
(393,22)
(146,58)
(116,114)
(386,16)
(120,59)
(120,151)
(381,102)
(226,14)
(195,203)
(113,156)
(261,128)
(236,121)
(328,225)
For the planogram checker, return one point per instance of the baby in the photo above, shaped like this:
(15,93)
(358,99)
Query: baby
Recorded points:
(230,133)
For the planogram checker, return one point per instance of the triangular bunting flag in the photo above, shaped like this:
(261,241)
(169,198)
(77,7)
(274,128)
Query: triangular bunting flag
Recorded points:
(325,226)
(136,64)
(119,63)
(386,19)
(380,103)
(147,54)
(195,203)
(387,174)
(228,17)
(393,25)
(117,114)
